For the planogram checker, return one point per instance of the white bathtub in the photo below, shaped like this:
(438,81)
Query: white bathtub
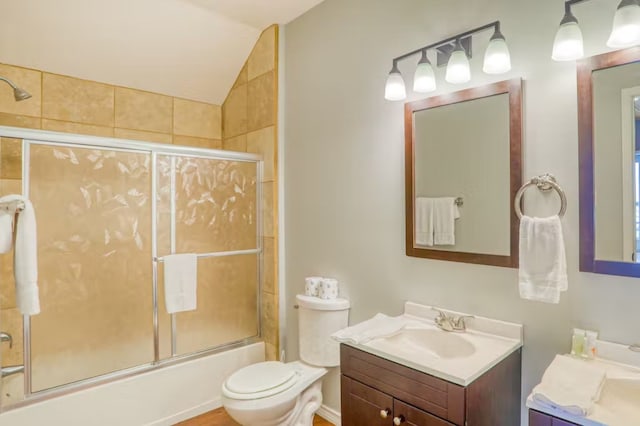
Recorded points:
(160,397)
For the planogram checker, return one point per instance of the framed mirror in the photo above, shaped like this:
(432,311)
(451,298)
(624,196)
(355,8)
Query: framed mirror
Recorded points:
(609,153)
(462,170)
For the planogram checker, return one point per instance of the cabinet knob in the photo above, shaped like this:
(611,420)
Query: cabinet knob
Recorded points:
(385,413)
(398,420)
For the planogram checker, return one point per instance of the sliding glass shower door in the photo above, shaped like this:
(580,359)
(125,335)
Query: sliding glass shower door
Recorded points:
(107,215)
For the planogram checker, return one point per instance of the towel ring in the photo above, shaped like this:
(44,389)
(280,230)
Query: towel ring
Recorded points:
(544,183)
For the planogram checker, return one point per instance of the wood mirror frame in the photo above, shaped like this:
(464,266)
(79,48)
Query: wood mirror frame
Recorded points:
(586,67)
(514,89)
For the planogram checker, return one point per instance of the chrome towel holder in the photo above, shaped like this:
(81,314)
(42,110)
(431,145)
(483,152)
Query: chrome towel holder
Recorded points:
(544,183)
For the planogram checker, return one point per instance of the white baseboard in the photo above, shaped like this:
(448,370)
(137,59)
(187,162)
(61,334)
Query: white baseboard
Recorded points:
(187,414)
(330,415)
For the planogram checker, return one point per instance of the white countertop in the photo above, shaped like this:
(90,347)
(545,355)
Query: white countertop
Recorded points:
(490,341)
(619,404)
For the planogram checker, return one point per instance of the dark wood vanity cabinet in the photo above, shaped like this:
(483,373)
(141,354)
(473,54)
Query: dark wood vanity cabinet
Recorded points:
(375,392)
(537,418)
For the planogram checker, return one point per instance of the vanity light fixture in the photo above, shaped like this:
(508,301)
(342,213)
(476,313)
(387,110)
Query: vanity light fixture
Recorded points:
(626,25)
(424,80)
(456,51)
(625,32)
(568,45)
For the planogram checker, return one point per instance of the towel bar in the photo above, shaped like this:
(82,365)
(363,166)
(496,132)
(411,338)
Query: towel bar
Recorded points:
(544,183)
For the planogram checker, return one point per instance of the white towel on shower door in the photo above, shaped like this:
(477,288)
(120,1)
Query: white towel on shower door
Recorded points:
(543,265)
(180,282)
(25,258)
(6,231)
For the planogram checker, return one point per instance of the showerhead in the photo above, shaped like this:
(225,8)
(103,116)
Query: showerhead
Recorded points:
(18,93)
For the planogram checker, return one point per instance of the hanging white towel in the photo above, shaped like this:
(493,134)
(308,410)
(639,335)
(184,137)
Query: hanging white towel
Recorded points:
(6,231)
(543,265)
(25,258)
(571,385)
(424,221)
(445,213)
(180,282)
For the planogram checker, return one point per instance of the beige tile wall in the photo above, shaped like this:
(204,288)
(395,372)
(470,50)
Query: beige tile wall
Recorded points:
(66,104)
(249,124)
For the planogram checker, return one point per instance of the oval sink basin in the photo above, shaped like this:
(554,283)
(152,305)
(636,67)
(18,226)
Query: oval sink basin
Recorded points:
(435,342)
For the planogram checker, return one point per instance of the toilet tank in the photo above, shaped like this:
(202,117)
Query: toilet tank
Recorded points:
(318,319)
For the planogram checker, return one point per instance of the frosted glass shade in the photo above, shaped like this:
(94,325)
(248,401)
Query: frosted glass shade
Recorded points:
(394,89)
(567,45)
(497,59)
(458,71)
(626,27)
(424,80)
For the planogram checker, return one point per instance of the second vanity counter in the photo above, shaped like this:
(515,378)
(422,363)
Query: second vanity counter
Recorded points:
(458,358)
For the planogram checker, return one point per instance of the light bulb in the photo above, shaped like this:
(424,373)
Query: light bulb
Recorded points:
(626,25)
(458,71)
(567,45)
(424,80)
(394,89)
(497,59)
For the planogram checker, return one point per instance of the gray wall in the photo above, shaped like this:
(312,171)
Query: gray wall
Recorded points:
(462,150)
(344,167)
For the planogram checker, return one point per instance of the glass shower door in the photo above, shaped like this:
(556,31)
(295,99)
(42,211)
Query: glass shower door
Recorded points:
(93,208)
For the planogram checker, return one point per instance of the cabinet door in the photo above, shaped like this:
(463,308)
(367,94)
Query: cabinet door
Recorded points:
(415,417)
(364,406)
(537,418)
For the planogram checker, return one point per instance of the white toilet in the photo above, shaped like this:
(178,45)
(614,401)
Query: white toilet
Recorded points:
(277,394)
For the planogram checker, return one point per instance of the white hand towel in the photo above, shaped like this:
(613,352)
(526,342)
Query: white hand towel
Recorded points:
(6,231)
(25,257)
(445,213)
(543,265)
(571,385)
(379,326)
(424,221)
(180,282)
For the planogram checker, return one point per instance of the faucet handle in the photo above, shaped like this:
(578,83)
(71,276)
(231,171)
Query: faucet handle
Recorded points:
(441,314)
(6,337)
(460,323)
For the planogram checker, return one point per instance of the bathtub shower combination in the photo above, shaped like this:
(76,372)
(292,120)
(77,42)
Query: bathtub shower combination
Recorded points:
(107,212)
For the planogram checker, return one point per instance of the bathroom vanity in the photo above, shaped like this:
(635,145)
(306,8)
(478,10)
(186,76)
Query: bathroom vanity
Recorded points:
(425,376)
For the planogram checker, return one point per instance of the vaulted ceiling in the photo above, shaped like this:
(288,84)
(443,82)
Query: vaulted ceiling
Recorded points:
(186,48)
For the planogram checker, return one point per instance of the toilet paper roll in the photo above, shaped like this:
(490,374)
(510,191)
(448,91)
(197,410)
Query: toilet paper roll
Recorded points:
(328,289)
(312,286)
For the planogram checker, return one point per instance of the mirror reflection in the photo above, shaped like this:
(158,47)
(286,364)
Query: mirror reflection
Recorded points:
(463,168)
(616,145)
(456,191)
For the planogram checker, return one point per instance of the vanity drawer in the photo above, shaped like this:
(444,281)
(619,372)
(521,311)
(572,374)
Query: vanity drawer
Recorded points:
(443,399)
(415,417)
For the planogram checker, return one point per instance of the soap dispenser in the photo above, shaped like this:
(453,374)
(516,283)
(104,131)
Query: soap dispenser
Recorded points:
(578,342)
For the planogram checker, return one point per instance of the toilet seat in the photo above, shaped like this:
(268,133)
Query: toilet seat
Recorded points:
(260,380)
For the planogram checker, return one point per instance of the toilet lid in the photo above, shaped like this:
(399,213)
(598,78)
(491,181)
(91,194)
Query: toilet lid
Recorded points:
(263,378)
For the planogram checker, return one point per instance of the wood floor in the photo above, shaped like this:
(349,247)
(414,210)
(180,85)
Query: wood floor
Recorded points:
(220,418)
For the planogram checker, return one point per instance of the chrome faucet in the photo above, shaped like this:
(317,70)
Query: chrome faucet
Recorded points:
(6,337)
(451,323)
(10,370)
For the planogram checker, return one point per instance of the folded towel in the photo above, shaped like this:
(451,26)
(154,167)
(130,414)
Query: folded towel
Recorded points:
(424,221)
(6,231)
(445,213)
(571,385)
(180,282)
(379,326)
(25,257)
(543,266)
